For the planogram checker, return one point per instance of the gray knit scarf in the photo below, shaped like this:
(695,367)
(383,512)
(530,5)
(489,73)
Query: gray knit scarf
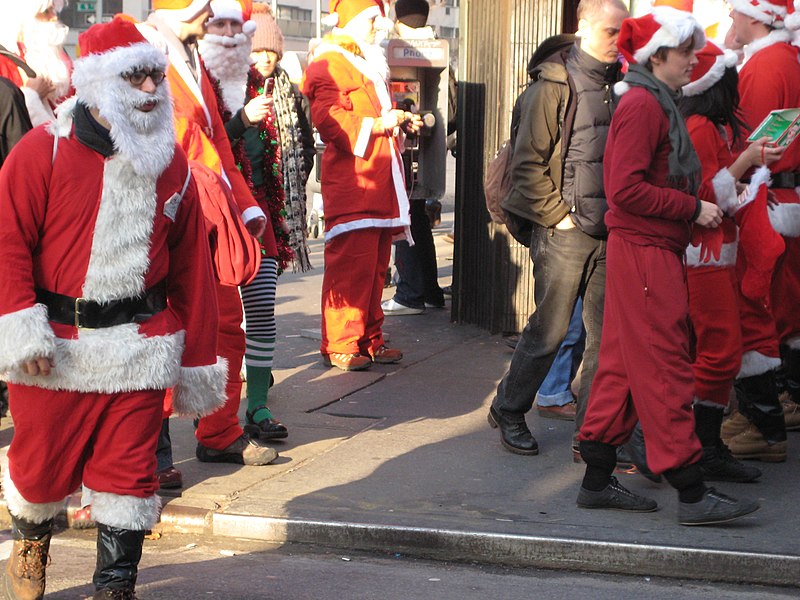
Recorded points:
(294,173)
(683,162)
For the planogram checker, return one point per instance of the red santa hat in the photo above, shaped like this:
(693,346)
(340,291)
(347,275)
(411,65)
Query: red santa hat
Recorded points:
(711,64)
(109,50)
(792,20)
(234,10)
(769,13)
(343,12)
(665,27)
(183,10)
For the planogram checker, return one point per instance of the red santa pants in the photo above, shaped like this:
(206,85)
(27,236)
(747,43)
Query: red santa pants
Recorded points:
(714,309)
(220,429)
(62,438)
(352,288)
(786,292)
(645,371)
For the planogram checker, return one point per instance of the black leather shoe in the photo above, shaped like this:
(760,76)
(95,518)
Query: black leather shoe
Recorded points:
(515,435)
(718,464)
(714,507)
(615,497)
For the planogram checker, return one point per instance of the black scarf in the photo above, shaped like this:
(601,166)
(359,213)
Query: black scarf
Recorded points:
(90,133)
(683,161)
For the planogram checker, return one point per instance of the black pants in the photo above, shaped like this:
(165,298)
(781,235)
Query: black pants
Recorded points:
(416,265)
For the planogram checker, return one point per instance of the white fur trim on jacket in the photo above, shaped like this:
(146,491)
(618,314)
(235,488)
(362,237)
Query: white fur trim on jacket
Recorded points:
(762,176)
(724,61)
(120,255)
(727,256)
(676,27)
(62,126)
(110,360)
(200,390)
(755,363)
(793,343)
(24,335)
(725,191)
(126,512)
(785,219)
(21,508)
(776,36)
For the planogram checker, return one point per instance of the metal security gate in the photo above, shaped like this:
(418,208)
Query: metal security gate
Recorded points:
(492,278)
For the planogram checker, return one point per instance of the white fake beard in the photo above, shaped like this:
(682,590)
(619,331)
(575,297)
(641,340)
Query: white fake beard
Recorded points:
(228,59)
(146,139)
(375,56)
(44,43)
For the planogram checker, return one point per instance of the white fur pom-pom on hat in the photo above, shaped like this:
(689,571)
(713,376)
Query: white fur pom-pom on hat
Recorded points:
(621,87)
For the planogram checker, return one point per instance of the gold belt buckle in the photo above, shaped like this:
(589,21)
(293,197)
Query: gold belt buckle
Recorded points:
(78,311)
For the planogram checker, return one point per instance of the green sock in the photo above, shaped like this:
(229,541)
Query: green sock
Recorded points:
(258,358)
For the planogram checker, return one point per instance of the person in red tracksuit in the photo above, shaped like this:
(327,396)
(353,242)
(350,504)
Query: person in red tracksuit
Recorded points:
(645,372)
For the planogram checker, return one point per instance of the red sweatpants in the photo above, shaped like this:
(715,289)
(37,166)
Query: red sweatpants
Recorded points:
(61,438)
(220,429)
(645,371)
(352,287)
(786,292)
(714,309)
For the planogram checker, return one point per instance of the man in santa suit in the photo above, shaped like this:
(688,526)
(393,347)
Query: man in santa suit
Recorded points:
(362,182)
(770,80)
(175,26)
(107,300)
(38,37)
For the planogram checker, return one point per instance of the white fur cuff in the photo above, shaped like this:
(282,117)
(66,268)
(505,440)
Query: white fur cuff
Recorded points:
(21,508)
(755,363)
(126,512)
(200,390)
(725,191)
(24,335)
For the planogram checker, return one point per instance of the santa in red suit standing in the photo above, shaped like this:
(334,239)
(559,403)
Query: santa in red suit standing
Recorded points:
(770,80)
(362,182)
(107,300)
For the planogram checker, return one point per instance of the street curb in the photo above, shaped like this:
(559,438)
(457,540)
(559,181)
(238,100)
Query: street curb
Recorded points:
(519,550)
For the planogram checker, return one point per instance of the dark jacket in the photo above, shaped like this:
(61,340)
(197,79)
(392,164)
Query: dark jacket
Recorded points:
(14,120)
(542,127)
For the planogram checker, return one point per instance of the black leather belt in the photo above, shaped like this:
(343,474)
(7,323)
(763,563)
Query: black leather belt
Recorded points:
(96,315)
(788,180)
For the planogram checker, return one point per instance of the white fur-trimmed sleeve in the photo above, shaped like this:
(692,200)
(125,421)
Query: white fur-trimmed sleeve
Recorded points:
(200,390)
(363,137)
(725,190)
(37,110)
(762,176)
(24,335)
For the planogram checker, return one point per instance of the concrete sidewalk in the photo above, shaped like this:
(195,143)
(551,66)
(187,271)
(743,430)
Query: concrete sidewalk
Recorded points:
(400,459)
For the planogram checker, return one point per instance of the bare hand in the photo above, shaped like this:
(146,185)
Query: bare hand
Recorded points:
(761,152)
(412,122)
(38,366)
(565,223)
(710,215)
(41,85)
(255,110)
(256,226)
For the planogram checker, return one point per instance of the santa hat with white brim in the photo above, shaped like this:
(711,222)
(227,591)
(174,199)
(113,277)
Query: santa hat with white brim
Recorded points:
(110,50)
(711,64)
(664,27)
(180,10)
(234,10)
(347,12)
(769,13)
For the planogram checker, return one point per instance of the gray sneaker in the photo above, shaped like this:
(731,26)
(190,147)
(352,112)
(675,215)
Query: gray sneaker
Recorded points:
(714,508)
(615,497)
(243,451)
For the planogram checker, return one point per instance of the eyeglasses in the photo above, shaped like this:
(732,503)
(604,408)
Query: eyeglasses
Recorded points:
(138,77)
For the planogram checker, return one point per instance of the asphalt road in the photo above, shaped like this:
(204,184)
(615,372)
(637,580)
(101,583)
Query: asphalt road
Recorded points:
(182,567)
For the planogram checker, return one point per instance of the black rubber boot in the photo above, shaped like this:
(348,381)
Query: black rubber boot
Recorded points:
(118,554)
(717,462)
(758,401)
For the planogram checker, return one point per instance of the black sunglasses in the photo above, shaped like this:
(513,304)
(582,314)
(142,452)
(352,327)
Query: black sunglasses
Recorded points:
(139,76)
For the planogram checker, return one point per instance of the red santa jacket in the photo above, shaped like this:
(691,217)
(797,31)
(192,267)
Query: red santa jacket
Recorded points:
(717,186)
(642,207)
(199,128)
(78,224)
(770,80)
(362,174)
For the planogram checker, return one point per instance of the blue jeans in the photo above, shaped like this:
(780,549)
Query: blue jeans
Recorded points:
(567,265)
(555,389)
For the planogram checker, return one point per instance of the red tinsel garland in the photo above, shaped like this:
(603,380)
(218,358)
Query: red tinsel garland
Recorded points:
(272,189)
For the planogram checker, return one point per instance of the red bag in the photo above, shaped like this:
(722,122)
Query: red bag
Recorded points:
(497,182)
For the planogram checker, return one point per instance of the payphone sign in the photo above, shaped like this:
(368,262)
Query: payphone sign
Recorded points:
(419,53)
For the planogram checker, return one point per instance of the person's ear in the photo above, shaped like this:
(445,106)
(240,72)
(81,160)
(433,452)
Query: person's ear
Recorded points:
(583,28)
